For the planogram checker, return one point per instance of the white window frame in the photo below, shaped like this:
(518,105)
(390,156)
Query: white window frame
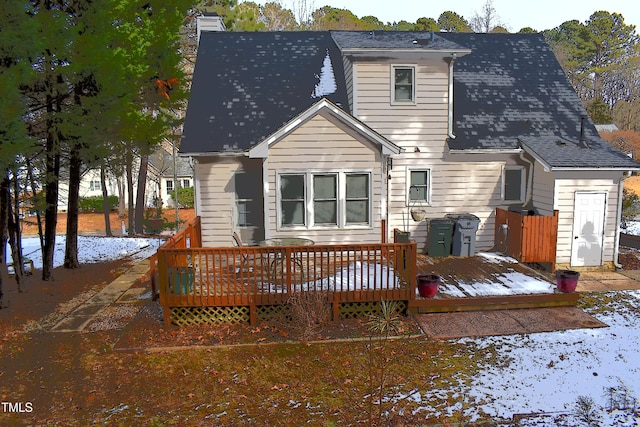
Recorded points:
(309,200)
(95,185)
(394,101)
(170,185)
(186,183)
(523,177)
(408,200)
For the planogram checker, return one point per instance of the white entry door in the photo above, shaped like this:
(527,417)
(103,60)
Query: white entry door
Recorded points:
(588,229)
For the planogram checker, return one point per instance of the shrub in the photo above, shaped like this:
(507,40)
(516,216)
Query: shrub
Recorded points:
(94,204)
(185,198)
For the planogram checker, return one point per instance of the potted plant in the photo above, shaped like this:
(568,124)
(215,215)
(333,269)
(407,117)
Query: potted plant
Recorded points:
(428,285)
(567,280)
(418,214)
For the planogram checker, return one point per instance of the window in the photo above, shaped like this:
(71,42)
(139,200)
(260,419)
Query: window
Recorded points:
(418,191)
(292,199)
(95,185)
(335,199)
(325,199)
(403,81)
(186,183)
(513,183)
(169,186)
(248,200)
(357,200)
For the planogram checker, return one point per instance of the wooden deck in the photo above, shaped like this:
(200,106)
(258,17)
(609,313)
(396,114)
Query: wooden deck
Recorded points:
(240,283)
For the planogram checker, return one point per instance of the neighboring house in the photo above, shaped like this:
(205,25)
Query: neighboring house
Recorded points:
(326,134)
(91,186)
(163,162)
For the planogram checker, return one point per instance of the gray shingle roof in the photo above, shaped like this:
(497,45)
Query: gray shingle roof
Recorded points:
(509,92)
(247,85)
(417,40)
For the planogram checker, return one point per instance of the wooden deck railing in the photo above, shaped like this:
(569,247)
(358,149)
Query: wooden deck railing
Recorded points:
(189,236)
(529,238)
(253,276)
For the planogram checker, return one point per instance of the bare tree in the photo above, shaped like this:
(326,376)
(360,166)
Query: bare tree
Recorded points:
(303,12)
(486,19)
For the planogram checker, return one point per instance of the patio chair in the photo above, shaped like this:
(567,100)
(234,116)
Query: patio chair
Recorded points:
(237,242)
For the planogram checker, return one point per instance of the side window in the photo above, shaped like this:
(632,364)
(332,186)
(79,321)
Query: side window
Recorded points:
(248,200)
(418,191)
(513,183)
(403,90)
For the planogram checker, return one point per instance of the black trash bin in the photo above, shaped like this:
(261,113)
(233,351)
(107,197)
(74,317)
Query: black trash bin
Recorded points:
(464,234)
(439,238)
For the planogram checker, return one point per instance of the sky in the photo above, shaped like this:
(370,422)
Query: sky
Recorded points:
(539,15)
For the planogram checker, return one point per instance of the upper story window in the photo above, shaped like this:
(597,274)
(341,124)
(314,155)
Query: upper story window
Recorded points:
(403,88)
(513,183)
(95,185)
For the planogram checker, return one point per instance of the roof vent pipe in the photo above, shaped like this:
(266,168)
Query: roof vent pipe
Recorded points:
(583,142)
(450,109)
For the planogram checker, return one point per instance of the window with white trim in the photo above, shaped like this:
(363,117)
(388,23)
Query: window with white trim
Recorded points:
(403,89)
(170,188)
(186,183)
(513,183)
(418,181)
(324,199)
(95,185)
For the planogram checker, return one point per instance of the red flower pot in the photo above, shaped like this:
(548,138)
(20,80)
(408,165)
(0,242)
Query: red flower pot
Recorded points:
(428,285)
(567,280)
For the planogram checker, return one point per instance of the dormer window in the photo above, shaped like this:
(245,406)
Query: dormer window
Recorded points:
(403,89)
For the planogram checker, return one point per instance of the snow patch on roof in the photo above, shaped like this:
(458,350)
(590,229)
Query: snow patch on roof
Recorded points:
(327,80)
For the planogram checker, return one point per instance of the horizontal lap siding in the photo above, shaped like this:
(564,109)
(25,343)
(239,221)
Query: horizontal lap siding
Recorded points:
(216,191)
(455,188)
(317,145)
(423,125)
(567,184)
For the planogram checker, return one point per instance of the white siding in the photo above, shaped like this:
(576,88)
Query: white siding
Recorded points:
(456,187)
(567,184)
(422,125)
(321,144)
(543,190)
(216,198)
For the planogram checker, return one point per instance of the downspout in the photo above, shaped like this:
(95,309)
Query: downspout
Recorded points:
(616,250)
(450,133)
(527,201)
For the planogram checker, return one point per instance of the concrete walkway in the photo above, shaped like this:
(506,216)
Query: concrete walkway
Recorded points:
(118,290)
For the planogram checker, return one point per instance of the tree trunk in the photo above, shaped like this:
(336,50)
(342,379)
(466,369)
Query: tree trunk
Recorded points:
(15,244)
(129,167)
(52,174)
(4,219)
(122,202)
(71,245)
(16,224)
(140,195)
(34,198)
(106,206)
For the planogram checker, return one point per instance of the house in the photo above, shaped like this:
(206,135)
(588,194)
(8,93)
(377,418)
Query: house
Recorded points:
(336,135)
(167,181)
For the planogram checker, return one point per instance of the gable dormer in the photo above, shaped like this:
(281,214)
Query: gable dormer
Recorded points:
(400,83)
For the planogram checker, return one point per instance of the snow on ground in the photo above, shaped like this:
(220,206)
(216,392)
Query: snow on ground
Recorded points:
(92,249)
(547,372)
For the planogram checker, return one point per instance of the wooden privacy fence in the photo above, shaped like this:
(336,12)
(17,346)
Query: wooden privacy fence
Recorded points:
(527,238)
(245,282)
